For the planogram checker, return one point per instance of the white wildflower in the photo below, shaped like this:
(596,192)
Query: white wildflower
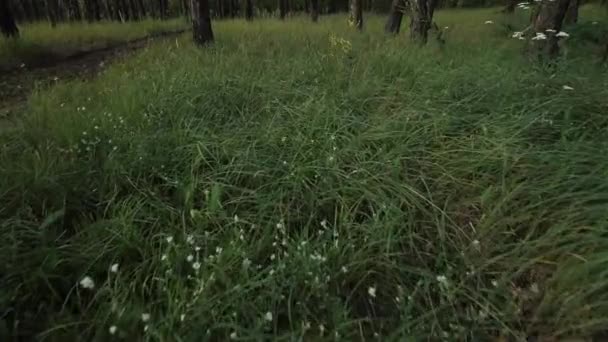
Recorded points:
(280,225)
(283,139)
(517,34)
(344,269)
(246,263)
(550,30)
(268,316)
(190,239)
(233,335)
(196,265)
(218,250)
(487,22)
(594,23)
(114,268)
(197,248)
(494,283)
(236,218)
(441,279)
(321,329)
(169,239)
(562,34)
(190,258)
(324,223)
(87,283)
(475,243)
(565,87)
(113,330)
(145,317)
(371,291)
(163,257)
(539,36)
(182,317)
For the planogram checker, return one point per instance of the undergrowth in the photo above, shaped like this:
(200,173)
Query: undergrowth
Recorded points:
(300,181)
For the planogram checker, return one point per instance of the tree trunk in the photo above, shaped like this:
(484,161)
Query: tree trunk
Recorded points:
(249,10)
(421,18)
(314,10)
(282,9)
(510,8)
(395,16)
(7,20)
(201,22)
(550,16)
(356,13)
(572,12)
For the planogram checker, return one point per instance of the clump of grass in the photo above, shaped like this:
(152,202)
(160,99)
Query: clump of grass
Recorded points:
(39,40)
(280,185)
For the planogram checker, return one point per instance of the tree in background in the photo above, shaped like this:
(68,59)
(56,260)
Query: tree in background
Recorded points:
(282,8)
(7,20)
(314,10)
(395,16)
(510,8)
(249,9)
(547,23)
(356,14)
(421,19)
(572,12)
(201,22)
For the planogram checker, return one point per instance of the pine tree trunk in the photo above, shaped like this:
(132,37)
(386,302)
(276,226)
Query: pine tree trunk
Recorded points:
(510,8)
(201,22)
(282,9)
(550,16)
(8,27)
(421,18)
(249,10)
(395,17)
(356,13)
(314,10)
(572,12)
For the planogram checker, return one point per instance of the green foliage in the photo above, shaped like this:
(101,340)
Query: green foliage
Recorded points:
(280,185)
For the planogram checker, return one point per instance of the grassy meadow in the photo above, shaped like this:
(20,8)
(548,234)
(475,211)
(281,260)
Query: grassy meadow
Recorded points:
(308,182)
(40,40)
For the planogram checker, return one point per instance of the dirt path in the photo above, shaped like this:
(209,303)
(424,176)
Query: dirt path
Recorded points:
(18,83)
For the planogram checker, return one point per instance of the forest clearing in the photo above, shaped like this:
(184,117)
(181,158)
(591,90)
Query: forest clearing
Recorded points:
(304,170)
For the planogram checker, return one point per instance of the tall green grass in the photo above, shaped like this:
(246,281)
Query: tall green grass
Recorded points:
(40,40)
(283,184)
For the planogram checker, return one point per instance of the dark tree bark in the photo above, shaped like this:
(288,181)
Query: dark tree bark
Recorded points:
(550,16)
(314,10)
(52,7)
(73,8)
(572,12)
(163,8)
(249,10)
(510,8)
(201,22)
(7,20)
(282,9)
(395,17)
(421,19)
(356,13)
(135,13)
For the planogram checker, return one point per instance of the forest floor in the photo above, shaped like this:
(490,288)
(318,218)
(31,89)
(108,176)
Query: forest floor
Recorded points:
(19,82)
(300,181)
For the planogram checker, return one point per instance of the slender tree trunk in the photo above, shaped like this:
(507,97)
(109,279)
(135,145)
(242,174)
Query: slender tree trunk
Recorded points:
(282,9)
(550,16)
(356,13)
(421,18)
(510,8)
(572,12)
(8,27)
(249,10)
(52,9)
(314,10)
(201,22)
(395,16)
